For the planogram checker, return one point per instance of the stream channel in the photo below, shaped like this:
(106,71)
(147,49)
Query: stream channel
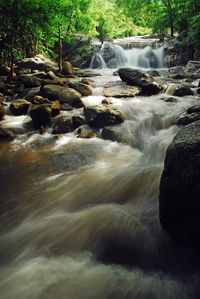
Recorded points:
(79,217)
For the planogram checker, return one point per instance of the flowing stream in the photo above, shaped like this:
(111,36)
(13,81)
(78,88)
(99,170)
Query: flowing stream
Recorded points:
(79,217)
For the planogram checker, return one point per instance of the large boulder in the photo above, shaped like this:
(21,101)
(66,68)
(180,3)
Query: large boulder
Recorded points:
(63,95)
(84,89)
(180,91)
(192,69)
(29,81)
(101,116)
(120,89)
(176,52)
(177,72)
(141,79)
(179,187)
(19,107)
(39,62)
(67,68)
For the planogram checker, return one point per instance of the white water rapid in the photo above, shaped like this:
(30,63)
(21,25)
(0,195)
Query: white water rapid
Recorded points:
(112,55)
(79,217)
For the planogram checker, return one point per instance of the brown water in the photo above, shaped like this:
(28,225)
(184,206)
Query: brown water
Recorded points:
(79,217)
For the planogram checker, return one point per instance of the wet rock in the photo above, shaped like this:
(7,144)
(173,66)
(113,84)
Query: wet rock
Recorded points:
(84,89)
(39,62)
(169,99)
(55,106)
(153,73)
(140,79)
(19,107)
(51,76)
(6,134)
(193,69)
(67,68)
(177,72)
(191,115)
(107,101)
(120,89)
(111,133)
(66,107)
(23,71)
(179,187)
(41,115)
(78,121)
(86,132)
(3,87)
(4,71)
(87,73)
(62,124)
(29,81)
(37,100)
(176,52)
(87,81)
(180,91)
(2,111)
(101,116)
(63,95)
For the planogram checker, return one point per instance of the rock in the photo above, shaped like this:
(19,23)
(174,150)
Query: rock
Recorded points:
(4,71)
(86,132)
(140,79)
(177,72)
(55,106)
(193,69)
(84,89)
(3,87)
(87,73)
(6,134)
(37,100)
(180,91)
(78,121)
(50,75)
(179,187)
(66,107)
(62,124)
(101,116)
(120,89)
(87,81)
(107,101)
(176,52)
(19,107)
(29,81)
(63,95)
(39,62)
(67,68)
(23,71)
(191,115)
(111,133)
(1,97)
(153,73)
(41,115)
(2,111)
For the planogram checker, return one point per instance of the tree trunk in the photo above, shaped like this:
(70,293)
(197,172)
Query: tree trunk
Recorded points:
(60,51)
(12,56)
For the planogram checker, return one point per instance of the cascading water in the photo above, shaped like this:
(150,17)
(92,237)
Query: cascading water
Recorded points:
(79,217)
(111,55)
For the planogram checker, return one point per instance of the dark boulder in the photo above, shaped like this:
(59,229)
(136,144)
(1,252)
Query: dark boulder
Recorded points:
(2,111)
(180,91)
(101,116)
(63,95)
(179,187)
(191,115)
(4,71)
(41,115)
(62,124)
(141,79)
(19,107)
(29,81)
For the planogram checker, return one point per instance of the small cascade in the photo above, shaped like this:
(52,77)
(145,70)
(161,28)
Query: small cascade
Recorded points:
(112,55)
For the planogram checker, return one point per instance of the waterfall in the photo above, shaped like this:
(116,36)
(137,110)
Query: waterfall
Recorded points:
(112,55)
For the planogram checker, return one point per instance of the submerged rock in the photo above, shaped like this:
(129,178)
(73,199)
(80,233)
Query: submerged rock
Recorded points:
(19,107)
(101,116)
(179,187)
(120,89)
(63,95)
(141,79)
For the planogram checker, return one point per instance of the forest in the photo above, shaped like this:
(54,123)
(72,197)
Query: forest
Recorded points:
(29,27)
